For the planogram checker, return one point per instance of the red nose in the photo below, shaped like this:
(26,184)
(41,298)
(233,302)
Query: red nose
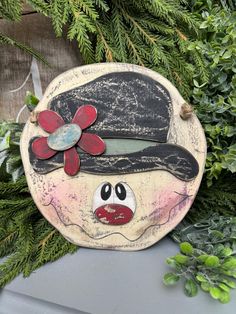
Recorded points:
(114,214)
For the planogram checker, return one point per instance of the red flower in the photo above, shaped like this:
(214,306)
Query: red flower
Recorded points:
(64,137)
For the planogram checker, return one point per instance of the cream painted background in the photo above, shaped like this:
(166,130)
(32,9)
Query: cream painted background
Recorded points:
(55,190)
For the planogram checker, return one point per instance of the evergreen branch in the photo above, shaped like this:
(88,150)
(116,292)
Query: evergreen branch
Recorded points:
(183,17)
(9,41)
(107,48)
(41,6)
(79,30)
(7,243)
(144,33)
(11,9)
(181,35)
(152,23)
(134,51)
(88,8)
(119,31)
(198,60)
(102,5)
(58,8)
(161,9)
(132,31)
(26,237)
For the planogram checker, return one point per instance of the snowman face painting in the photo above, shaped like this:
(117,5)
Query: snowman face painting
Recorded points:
(109,161)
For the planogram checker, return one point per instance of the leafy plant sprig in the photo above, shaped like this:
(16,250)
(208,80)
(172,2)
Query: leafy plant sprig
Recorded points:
(10,159)
(10,133)
(206,259)
(215,100)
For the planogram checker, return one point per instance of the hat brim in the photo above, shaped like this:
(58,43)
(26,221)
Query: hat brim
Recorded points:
(169,157)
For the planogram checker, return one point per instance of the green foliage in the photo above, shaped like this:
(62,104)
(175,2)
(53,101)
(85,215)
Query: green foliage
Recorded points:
(208,259)
(10,159)
(31,101)
(11,9)
(207,241)
(155,34)
(6,40)
(215,101)
(186,248)
(208,5)
(170,279)
(190,288)
(219,198)
(27,240)
(152,34)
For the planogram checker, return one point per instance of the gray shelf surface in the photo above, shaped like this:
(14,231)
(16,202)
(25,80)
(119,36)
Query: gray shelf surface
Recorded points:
(106,282)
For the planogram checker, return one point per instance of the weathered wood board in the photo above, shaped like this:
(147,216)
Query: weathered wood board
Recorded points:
(36,31)
(110,163)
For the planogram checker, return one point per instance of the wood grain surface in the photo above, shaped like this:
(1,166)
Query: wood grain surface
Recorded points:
(36,31)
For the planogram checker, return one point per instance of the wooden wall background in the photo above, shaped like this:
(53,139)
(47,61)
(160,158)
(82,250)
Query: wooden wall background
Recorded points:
(36,31)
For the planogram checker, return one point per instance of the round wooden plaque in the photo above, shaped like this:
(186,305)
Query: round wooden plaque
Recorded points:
(108,158)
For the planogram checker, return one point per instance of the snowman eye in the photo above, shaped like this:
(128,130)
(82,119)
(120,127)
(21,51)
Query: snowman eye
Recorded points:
(104,194)
(120,191)
(106,191)
(124,195)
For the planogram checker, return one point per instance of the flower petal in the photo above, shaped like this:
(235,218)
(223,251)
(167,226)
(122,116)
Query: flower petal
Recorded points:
(92,144)
(41,149)
(85,116)
(50,120)
(71,161)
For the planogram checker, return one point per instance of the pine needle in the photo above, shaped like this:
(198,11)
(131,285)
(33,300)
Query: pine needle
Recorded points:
(6,40)
(27,240)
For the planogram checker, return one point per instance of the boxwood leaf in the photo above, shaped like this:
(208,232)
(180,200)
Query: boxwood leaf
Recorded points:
(170,279)
(212,261)
(224,297)
(190,288)
(205,286)
(186,248)
(215,292)
(181,259)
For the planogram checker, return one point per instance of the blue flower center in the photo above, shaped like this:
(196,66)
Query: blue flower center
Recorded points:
(64,137)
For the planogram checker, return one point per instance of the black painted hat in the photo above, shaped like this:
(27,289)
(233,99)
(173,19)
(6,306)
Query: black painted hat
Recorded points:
(129,106)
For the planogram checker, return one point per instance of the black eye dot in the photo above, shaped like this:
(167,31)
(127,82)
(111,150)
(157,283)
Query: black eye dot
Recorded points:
(120,191)
(106,191)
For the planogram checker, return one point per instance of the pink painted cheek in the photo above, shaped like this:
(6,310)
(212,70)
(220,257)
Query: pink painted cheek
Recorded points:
(69,202)
(168,201)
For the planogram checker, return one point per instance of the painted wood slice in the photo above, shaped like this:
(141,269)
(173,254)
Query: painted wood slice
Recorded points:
(110,162)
